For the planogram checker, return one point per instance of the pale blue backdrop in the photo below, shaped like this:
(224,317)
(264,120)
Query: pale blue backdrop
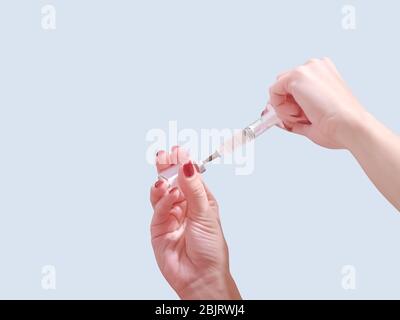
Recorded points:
(76,104)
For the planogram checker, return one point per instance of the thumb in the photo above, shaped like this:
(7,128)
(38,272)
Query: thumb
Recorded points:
(190,183)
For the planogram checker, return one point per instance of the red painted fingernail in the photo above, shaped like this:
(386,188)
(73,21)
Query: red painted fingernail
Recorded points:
(173,190)
(188,169)
(158,184)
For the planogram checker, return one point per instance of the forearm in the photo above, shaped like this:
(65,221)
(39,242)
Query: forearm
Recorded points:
(377,149)
(211,287)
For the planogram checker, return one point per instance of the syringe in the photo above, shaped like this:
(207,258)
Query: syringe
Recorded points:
(267,120)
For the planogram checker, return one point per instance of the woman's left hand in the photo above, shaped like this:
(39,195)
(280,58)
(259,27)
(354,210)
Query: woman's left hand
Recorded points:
(186,234)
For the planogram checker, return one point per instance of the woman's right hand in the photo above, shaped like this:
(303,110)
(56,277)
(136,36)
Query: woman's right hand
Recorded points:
(313,100)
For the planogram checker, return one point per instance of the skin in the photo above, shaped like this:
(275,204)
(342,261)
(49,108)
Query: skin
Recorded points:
(314,101)
(187,237)
(311,100)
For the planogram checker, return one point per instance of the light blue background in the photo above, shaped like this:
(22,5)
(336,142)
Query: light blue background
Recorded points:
(76,104)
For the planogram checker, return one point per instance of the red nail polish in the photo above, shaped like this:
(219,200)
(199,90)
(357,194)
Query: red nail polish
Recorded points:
(173,190)
(158,184)
(188,169)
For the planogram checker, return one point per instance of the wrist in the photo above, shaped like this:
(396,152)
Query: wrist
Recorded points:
(211,287)
(364,133)
(354,128)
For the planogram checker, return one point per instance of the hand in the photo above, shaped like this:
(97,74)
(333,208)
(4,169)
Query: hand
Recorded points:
(186,233)
(314,101)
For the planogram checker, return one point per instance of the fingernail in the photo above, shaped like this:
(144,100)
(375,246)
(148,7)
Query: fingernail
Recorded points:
(159,153)
(188,169)
(173,190)
(174,148)
(158,184)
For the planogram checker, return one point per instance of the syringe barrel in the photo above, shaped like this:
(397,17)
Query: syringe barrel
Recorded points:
(267,120)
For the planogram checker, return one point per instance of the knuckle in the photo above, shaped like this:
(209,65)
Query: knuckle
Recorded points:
(292,85)
(197,191)
(279,76)
(299,72)
(313,61)
(271,90)
(214,204)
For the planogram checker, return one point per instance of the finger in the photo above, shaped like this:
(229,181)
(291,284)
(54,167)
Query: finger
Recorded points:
(173,156)
(162,160)
(178,213)
(290,111)
(288,125)
(173,222)
(162,209)
(178,156)
(280,89)
(302,129)
(313,61)
(282,74)
(331,66)
(192,187)
(157,191)
(290,107)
